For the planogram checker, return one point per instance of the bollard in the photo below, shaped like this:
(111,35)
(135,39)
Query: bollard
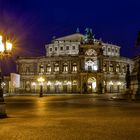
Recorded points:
(3,110)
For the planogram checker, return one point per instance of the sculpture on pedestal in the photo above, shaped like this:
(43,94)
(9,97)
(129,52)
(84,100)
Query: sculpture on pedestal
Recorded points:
(89,39)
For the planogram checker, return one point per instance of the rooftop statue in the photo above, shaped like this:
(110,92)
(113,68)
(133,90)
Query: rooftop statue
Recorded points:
(89,38)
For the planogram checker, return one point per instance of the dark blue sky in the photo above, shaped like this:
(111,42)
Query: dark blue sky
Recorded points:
(32,23)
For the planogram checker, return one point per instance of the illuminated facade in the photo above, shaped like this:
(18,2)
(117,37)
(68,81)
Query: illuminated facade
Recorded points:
(75,64)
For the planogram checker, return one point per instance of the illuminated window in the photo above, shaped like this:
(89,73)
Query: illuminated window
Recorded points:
(91,65)
(124,68)
(95,67)
(48,68)
(41,68)
(65,67)
(111,68)
(56,67)
(74,82)
(117,68)
(89,68)
(74,67)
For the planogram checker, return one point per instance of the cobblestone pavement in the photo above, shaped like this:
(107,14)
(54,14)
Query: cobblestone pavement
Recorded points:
(70,118)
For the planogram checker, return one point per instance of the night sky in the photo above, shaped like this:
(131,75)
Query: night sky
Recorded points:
(32,23)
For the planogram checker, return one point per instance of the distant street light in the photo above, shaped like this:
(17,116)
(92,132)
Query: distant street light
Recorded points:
(41,80)
(5,50)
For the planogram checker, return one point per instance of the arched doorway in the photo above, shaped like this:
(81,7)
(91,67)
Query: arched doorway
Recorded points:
(91,85)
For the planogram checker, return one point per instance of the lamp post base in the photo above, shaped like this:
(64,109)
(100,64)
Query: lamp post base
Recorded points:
(3,110)
(41,91)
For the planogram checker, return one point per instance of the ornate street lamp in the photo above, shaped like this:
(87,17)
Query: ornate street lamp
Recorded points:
(5,50)
(41,80)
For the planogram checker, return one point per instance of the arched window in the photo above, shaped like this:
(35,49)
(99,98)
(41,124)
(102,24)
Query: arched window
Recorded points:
(41,68)
(74,82)
(61,48)
(111,67)
(124,69)
(50,49)
(112,50)
(55,48)
(65,67)
(74,67)
(48,68)
(73,47)
(104,67)
(56,67)
(67,47)
(117,68)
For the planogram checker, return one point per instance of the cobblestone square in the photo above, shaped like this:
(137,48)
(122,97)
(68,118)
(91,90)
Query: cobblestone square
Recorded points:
(70,117)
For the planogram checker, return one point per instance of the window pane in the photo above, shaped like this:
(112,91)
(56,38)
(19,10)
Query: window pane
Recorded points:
(61,48)
(67,47)
(73,47)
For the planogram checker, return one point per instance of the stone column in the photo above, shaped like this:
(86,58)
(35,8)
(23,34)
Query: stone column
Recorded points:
(100,70)
(107,66)
(100,60)
(69,67)
(99,82)
(81,83)
(114,67)
(82,67)
(60,66)
(52,67)
(120,67)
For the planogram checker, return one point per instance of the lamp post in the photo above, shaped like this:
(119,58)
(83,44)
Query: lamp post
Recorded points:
(5,50)
(41,80)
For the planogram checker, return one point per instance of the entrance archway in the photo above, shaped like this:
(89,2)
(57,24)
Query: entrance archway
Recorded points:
(91,85)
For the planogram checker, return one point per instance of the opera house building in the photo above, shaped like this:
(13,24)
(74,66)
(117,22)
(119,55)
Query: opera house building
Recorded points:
(75,63)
